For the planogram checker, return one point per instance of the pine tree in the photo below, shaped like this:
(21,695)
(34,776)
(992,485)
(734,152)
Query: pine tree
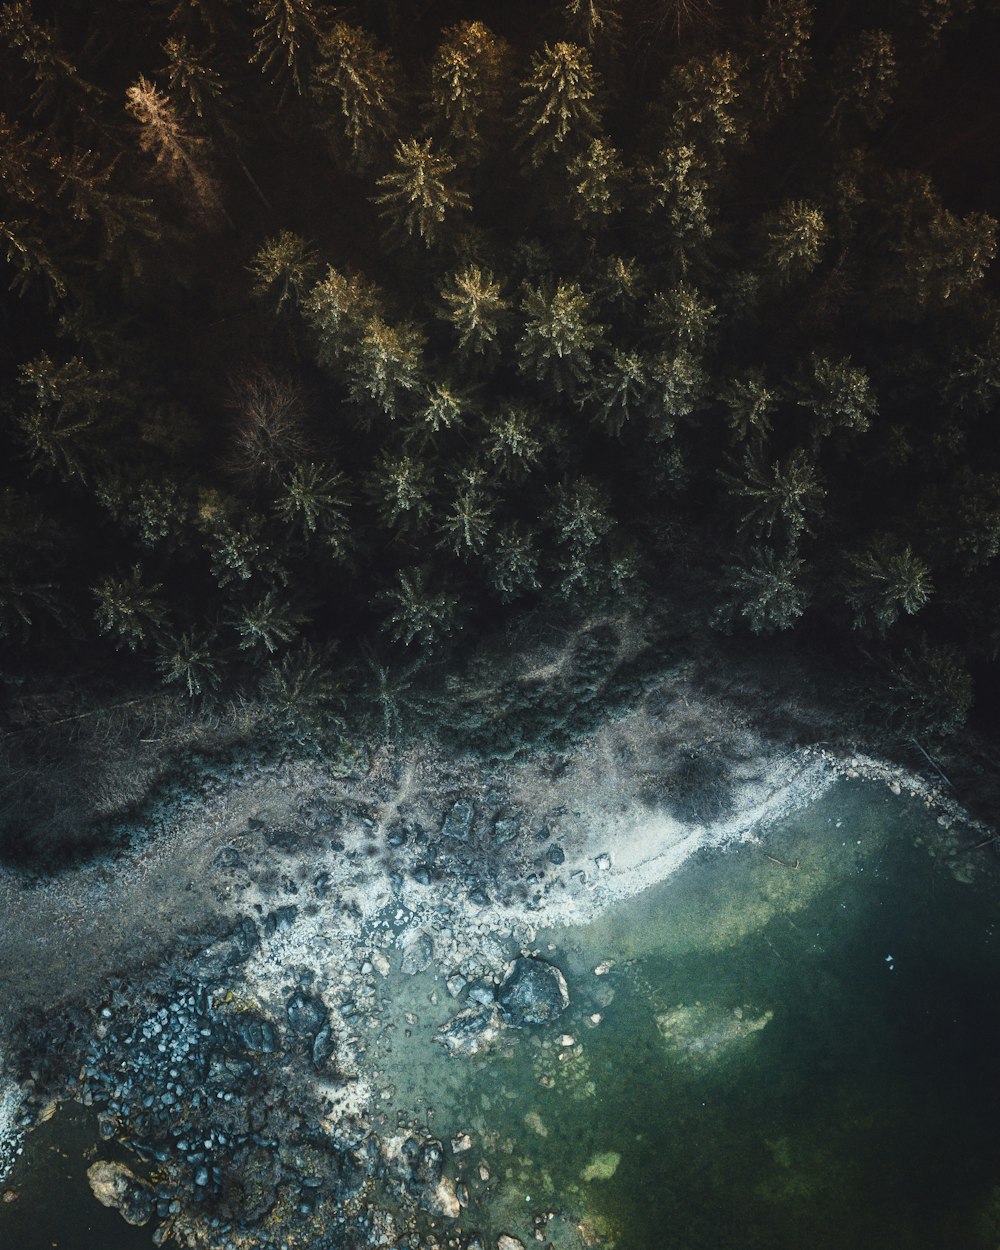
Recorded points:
(619,391)
(466,524)
(24,159)
(468,78)
(337,309)
(838,393)
(702,107)
(780,54)
(130,610)
(386,366)
(312,502)
(31,261)
(765,590)
(417,613)
(357,89)
(58,88)
(445,406)
(581,522)
(191,660)
(560,335)
(884,579)
(30,544)
(419,196)
(513,561)
(511,444)
(935,253)
(285,43)
(750,405)
(678,386)
(593,23)
(559,111)
(596,179)
(180,157)
(65,403)
(284,268)
(932,689)
(304,694)
(126,224)
(783,495)
(863,80)
(475,305)
(676,186)
(682,318)
(192,80)
(795,235)
(266,623)
(400,487)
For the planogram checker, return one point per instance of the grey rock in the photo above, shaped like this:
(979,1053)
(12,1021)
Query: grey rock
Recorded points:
(418,951)
(114,1185)
(322,1048)
(228,858)
(532,992)
(256,1033)
(306,1013)
(430,1162)
(506,829)
(284,917)
(482,992)
(472,1031)
(555,854)
(458,822)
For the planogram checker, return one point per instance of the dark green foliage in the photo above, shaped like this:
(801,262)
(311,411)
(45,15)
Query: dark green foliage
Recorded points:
(675,306)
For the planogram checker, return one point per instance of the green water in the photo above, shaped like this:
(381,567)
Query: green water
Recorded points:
(761,1075)
(863,1113)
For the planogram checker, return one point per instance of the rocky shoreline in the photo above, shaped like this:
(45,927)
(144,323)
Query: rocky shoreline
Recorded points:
(249,1069)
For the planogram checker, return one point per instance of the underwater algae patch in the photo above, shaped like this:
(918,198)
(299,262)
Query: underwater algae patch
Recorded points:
(703,1034)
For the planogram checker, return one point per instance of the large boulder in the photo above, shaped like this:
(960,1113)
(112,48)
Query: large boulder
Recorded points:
(114,1185)
(532,992)
(473,1030)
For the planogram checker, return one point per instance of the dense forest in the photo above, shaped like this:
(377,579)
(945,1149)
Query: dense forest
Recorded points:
(337,337)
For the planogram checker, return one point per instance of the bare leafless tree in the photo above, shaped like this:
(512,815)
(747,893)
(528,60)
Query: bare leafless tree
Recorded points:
(269,433)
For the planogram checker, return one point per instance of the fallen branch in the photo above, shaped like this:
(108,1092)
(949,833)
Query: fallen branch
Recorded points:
(784,864)
(931,762)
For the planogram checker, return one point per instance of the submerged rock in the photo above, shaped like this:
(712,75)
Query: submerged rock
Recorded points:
(702,1034)
(115,1186)
(473,1030)
(418,951)
(444,1199)
(532,992)
(602,1167)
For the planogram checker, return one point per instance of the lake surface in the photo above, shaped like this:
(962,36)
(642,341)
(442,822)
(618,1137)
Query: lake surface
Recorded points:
(796,1047)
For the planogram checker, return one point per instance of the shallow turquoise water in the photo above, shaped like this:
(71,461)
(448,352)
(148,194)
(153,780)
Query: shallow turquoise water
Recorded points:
(786,1057)
(863,1113)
